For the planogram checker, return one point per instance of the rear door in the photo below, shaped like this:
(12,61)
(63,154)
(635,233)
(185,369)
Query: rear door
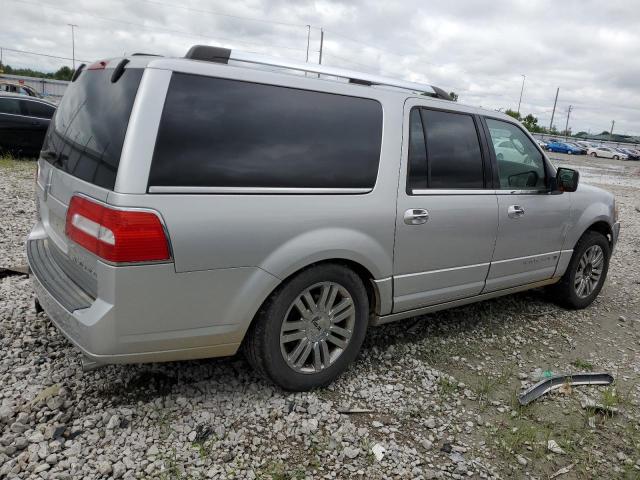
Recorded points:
(446,222)
(38,115)
(82,150)
(532,223)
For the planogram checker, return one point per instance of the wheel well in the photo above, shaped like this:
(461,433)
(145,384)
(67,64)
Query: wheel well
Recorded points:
(603,228)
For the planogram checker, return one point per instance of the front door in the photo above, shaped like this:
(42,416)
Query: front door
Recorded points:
(446,222)
(532,222)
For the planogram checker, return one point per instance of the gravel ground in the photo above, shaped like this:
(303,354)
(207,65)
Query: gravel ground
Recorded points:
(436,395)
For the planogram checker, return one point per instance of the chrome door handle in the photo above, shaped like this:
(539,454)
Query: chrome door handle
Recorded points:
(515,211)
(416,216)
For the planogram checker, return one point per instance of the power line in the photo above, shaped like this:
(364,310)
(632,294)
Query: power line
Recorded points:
(158,28)
(41,54)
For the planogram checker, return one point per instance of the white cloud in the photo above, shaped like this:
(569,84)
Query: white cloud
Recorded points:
(478,49)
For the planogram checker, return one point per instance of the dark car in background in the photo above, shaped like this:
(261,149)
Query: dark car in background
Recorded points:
(23,123)
(631,153)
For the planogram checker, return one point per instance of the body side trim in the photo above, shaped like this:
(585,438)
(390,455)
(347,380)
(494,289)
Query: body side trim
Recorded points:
(457,303)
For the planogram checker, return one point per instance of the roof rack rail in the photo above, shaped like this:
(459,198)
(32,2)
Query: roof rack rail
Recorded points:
(223,55)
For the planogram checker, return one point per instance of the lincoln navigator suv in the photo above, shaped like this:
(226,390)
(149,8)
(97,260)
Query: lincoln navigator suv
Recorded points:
(194,207)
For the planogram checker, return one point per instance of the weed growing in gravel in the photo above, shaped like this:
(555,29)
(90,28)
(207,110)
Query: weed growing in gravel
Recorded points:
(446,386)
(582,365)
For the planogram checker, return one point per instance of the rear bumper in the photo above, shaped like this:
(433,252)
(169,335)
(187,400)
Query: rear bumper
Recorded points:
(148,313)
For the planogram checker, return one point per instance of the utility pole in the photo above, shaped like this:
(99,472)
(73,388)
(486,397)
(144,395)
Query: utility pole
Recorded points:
(321,44)
(73,44)
(521,90)
(308,39)
(554,110)
(566,125)
(613,122)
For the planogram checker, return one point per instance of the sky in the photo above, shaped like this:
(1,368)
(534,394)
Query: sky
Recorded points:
(478,49)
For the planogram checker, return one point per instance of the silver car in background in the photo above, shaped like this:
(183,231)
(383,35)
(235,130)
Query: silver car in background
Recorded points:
(189,207)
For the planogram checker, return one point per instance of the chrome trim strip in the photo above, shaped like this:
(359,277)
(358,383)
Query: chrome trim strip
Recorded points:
(442,270)
(258,190)
(452,191)
(515,259)
(457,303)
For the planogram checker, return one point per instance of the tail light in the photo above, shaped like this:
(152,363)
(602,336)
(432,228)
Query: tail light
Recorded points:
(120,236)
(99,65)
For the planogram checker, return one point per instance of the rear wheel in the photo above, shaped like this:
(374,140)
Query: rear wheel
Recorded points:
(586,273)
(616,157)
(310,329)
(593,154)
(569,152)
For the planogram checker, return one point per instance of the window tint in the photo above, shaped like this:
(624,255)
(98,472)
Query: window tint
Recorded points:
(38,109)
(218,132)
(10,105)
(454,157)
(417,153)
(90,124)
(518,167)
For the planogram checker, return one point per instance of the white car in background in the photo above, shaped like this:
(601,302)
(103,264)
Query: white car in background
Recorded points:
(607,152)
(509,150)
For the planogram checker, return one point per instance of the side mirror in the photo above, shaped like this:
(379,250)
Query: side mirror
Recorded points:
(567,179)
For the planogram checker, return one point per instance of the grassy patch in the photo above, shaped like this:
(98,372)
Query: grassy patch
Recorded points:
(582,365)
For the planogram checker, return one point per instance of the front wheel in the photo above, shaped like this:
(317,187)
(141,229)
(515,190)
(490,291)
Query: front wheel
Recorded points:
(310,329)
(593,154)
(569,152)
(586,273)
(616,157)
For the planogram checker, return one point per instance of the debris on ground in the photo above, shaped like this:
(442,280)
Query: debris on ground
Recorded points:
(553,447)
(563,471)
(564,381)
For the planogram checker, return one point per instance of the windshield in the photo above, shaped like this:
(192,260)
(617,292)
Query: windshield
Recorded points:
(87,131)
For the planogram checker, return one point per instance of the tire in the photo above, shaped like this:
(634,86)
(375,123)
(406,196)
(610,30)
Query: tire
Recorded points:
(500,157)
(593,154)
(279,314)
(567,292)
(616,157)
(569,152)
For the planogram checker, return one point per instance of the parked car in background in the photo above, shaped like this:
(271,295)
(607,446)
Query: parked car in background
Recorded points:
(562,147)
(583,150)
(191,208)
(20,89)
(543,144)
(630,153)
(23,123)
(607,152)
(586,145)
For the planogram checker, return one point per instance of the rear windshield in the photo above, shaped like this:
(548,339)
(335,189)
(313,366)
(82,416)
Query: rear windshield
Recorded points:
(228,133)
(87,132)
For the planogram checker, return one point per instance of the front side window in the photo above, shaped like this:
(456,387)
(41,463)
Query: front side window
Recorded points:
(520,163)
(216,132)
(447,155)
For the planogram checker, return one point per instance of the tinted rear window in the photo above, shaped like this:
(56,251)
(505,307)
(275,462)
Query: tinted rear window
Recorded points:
(226,133)
(453,150)
(87,132)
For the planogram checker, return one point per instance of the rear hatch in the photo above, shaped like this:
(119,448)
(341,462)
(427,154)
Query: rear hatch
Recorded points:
(81,154)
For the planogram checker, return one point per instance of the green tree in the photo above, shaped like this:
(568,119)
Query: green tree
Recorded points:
(604,132)
(512,113)
(530,122)
(63,73)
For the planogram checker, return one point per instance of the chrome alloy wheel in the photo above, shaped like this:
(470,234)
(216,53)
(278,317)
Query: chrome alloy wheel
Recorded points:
(317,327)
(589,271)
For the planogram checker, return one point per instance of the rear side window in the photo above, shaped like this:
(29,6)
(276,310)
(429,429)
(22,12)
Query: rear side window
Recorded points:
(453,154)
(10,105)
(226,133)
(87,132)
(38,109)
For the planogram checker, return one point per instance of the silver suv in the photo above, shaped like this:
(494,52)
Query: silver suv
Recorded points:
(190,207)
